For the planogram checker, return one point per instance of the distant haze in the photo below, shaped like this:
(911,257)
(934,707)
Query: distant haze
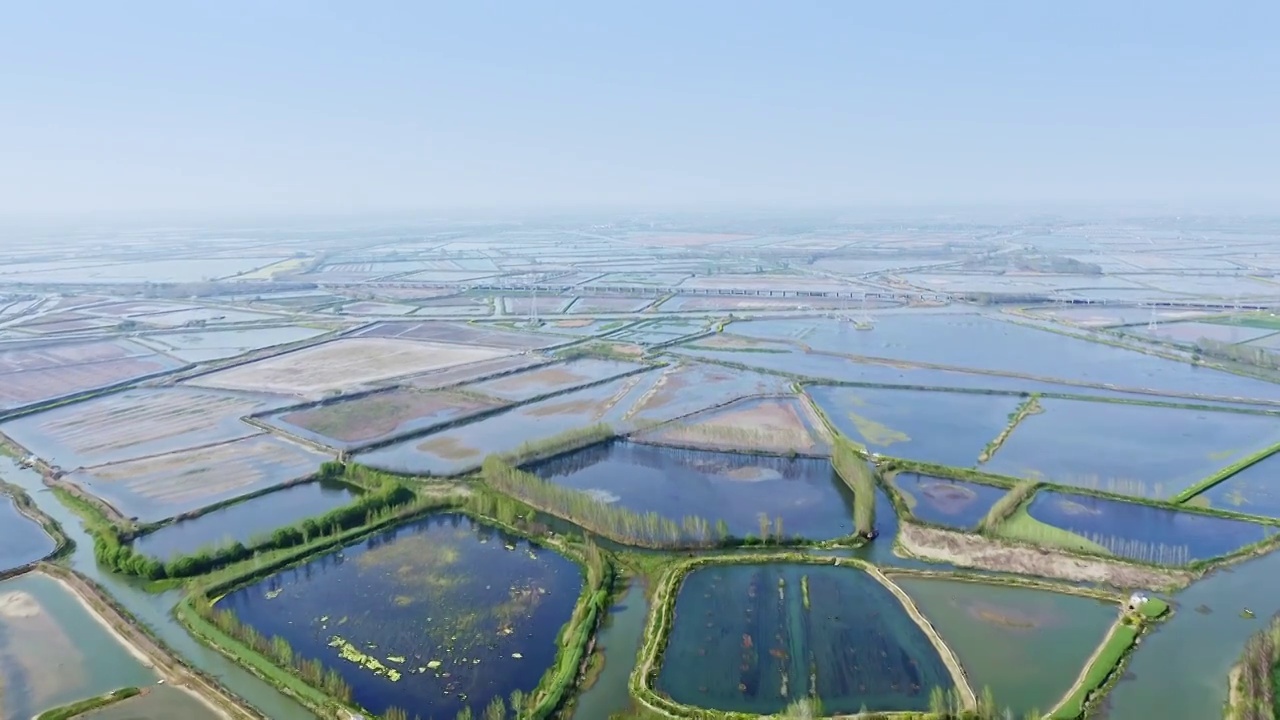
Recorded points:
(150,109)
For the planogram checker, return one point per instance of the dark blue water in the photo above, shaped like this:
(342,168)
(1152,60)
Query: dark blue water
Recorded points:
(22,540)
(483,605)
(244,520)
(945,501)
(1254,490)
(743,632)
(806,493)
(1142,532)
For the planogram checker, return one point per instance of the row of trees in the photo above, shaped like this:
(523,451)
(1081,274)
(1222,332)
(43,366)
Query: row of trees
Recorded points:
(276,649)
(1004,508)
(1245,354)
(609,520)
(860,476)
(1255,696)
(389,499)
(561,442)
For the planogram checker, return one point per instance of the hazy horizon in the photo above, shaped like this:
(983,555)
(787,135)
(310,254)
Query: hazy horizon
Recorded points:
(302,109)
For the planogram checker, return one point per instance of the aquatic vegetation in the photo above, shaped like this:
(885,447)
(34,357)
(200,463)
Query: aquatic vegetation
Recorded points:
(743,640)
(946,501)
(482,619)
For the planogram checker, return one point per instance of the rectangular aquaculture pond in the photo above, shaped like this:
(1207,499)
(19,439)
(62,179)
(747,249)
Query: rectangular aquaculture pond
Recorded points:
(753,638)
(1027,645)
(751,494)
(435,616)
(1137,450)
(243,520)
(1254,490)
(944,501)
(371,418)
(937,427)
(1136,531)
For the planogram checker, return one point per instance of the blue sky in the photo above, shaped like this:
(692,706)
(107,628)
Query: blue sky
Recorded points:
(301,106)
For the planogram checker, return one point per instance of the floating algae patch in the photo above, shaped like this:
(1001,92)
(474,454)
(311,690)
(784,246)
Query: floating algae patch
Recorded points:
(22,540)
(1027,645)
(1143,532)
(749,638)
(473,612)
(1136,450)
(940,427)
(243,520)
(53,652)
(1254,490)
(945,501)
(805,494)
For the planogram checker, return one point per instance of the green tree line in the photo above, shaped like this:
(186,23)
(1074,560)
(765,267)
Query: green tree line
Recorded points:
(387,499)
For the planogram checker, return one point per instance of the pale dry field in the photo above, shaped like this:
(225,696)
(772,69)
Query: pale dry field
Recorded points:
(344,364)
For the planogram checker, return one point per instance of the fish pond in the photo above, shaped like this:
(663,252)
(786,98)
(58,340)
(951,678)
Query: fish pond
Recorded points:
(22,540)
(975,341)
(1137,450)
(463,447)
(1027,645)
(433,617)
(1254,490)
(1144,532)
(349,424)
(944,501)
(742,490)
(938,427)
(753,638)
(54,652)
(243,520)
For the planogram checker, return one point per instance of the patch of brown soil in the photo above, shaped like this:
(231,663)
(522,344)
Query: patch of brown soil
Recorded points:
(373,416)
(544,377)
(449,448)
(568,407)
(976,551)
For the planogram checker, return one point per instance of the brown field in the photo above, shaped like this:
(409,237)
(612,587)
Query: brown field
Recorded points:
(460,333)
(162,486)
(605,304)
(126,423)
(765,424)
(343,364)
(449,448)
(473,371)
(976,551)
(575,323)
(56,355)
(567,407)
(727,341)
(374,416)
(32,386)
(678,239)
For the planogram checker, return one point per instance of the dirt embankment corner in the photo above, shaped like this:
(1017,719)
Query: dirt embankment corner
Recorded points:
(982,553)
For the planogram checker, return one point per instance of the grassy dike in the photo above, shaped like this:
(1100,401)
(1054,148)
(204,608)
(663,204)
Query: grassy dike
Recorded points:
(662,619)
(1029,407)
(552,692)
(1104,668)
(1224,474)
(83,706)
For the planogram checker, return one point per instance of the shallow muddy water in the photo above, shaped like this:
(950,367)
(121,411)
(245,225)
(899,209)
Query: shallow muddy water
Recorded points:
(944,501)
(752,638)
(53,652)
(1027,645)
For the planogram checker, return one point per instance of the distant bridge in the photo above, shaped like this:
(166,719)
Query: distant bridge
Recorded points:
(657,291)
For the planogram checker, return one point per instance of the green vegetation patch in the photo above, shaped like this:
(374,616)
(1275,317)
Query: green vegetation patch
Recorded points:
(83,706)
(1104,663)
(1021,526)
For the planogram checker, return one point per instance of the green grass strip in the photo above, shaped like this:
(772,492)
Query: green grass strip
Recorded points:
(1224,473)
(1021,526)
(1105,662)
(94,703)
